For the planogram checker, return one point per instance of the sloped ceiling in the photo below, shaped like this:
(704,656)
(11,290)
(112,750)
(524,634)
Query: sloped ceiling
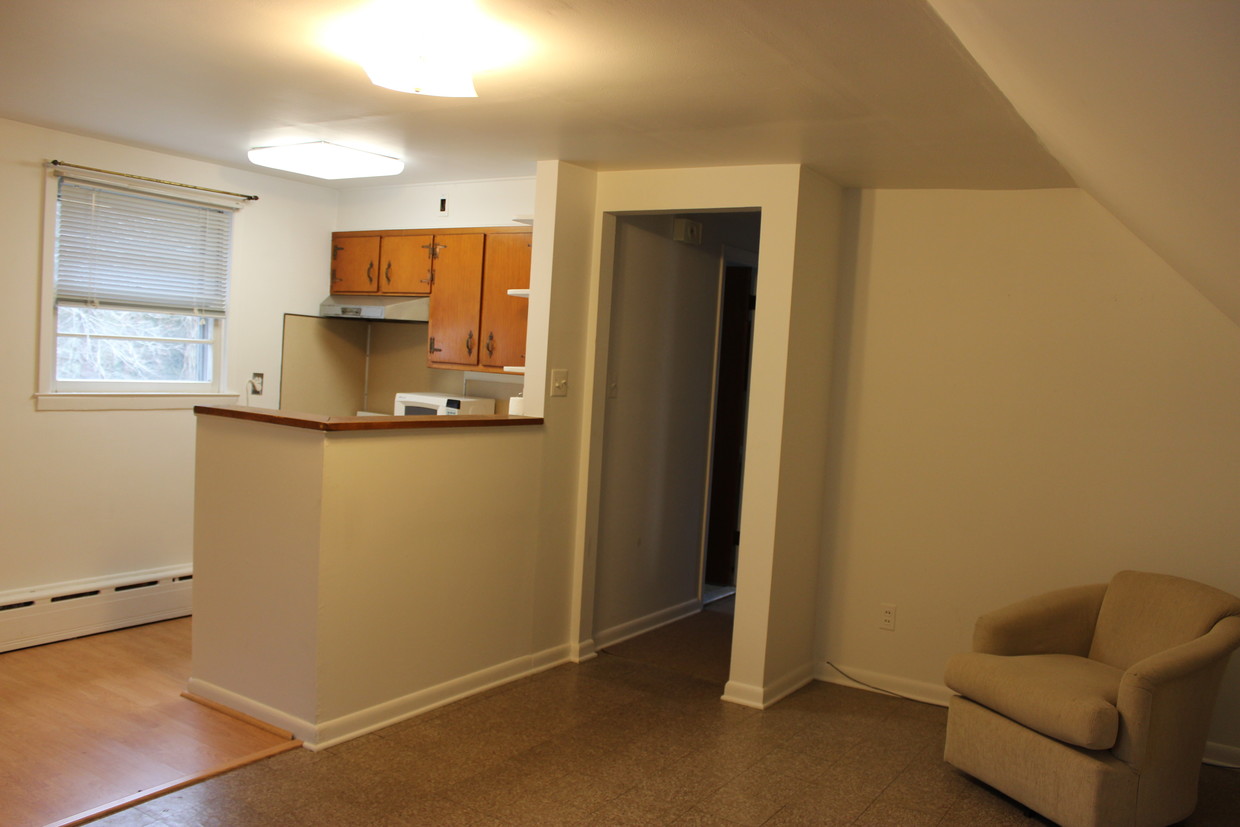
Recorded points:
(1140,101)
(1136,101)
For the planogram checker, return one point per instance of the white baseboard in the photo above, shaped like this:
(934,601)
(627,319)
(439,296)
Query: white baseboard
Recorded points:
(633,628)
(1223,755)
(763,697)
(324,734)
(240,703)
(582,651)
(777,690)
(550,658)
(345,728)
(745,694)
(60,611)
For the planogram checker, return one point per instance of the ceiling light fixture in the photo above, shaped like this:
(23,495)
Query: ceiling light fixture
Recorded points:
(427,47)
(323,160)
(420,75)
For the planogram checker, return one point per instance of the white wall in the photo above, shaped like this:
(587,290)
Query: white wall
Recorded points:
(333,598)
(807,422)
(87,494)
(1033,399)
(258,576)
(559,329)
(493,203)
(458,563)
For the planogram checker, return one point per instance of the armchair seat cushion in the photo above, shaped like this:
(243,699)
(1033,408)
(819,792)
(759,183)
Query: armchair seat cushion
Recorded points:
(1065,697)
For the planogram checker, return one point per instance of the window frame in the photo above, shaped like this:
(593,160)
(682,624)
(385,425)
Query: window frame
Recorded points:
(55,394)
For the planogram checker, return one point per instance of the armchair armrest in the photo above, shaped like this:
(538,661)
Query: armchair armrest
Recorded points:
(1166,701)
(1186,658)
(1056,623)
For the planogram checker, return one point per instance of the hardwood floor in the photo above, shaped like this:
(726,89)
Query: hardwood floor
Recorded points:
(100,719)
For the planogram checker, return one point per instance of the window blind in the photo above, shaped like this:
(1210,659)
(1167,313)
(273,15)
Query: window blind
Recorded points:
(137,251)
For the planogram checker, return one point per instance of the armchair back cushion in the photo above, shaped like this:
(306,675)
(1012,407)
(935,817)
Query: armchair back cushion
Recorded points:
(1144,613)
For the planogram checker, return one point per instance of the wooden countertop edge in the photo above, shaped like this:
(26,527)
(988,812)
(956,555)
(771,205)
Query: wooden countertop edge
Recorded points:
(315,422)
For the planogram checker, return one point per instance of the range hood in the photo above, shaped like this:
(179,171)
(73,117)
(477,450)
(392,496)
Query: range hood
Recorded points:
(394,308)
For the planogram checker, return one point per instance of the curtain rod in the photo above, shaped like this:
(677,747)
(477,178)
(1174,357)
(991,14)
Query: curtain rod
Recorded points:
(155,180)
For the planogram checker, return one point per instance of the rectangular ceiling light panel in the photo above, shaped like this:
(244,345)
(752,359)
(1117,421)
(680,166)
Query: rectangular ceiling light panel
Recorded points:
(323,160)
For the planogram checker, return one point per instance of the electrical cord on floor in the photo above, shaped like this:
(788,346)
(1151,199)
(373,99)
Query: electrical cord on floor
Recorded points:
(879,688)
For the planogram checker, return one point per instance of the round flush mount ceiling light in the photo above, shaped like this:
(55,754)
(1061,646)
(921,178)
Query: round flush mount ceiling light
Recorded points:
(426,47)
(324,160)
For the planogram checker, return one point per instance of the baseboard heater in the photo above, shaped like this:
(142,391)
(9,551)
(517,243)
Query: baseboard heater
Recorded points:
(59,611)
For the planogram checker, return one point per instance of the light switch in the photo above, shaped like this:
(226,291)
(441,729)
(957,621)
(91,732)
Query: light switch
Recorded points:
(559,382)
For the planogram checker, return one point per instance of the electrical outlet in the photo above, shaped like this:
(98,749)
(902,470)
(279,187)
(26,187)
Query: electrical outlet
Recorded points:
(443,206)
(887,616)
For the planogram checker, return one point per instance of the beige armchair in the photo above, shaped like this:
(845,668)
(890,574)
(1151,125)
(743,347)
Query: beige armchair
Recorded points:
(1091,705)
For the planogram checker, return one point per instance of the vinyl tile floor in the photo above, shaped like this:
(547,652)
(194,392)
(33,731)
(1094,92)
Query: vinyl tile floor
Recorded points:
(616,741)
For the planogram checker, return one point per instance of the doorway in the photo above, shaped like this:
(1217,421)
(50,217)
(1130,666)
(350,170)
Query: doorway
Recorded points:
(723,526)
(679,335)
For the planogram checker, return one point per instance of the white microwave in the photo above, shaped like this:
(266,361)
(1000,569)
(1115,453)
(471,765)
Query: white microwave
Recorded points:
(441,404)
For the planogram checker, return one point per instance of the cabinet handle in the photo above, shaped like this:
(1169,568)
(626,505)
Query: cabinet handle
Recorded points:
(434,248)
(469,344)
(432,347)
(387,272)
(370,273)
(336,248)
(491,343)
(430,277)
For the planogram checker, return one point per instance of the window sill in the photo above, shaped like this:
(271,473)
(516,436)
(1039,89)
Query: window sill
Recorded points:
(129,401)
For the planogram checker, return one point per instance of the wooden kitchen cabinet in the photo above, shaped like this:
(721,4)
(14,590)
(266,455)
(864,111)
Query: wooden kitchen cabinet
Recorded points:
(406,265)
(456,300)
(474,323)
(503,315)
(394,263)
(354,264)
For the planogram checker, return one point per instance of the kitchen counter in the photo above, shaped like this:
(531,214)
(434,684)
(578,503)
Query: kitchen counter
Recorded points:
(350,572)
(316,422)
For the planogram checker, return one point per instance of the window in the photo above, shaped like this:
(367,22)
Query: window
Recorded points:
(140,287)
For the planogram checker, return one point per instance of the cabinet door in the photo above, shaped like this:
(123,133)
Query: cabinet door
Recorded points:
(457,296)
(355,263)
(405,265)
(504,316)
